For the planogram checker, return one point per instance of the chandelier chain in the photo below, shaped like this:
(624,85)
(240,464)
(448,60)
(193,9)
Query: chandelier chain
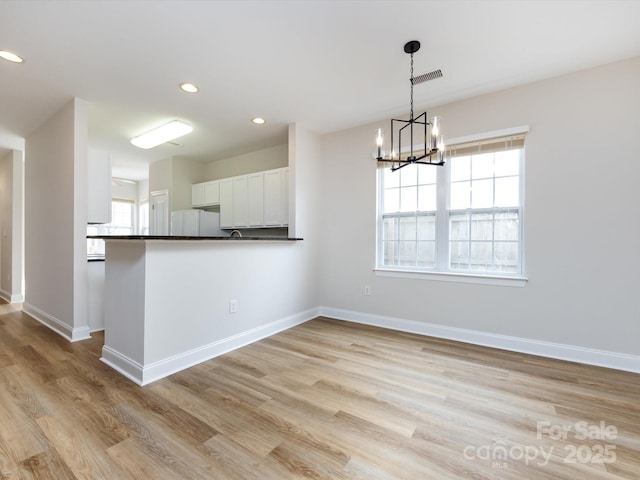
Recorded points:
(411,82)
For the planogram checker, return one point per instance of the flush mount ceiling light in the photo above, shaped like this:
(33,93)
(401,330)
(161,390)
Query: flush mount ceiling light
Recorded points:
(10,56)
(163,134)
(415,140)
(189,88)
(259,121)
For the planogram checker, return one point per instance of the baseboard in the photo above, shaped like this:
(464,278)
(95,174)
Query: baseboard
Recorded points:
(588,356)
(61,328)
(11,298)
(145,374)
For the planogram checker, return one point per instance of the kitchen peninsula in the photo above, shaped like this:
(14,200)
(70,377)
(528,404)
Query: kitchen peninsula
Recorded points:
(172,302)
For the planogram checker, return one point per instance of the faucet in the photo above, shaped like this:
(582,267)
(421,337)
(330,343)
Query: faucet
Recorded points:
(236,233)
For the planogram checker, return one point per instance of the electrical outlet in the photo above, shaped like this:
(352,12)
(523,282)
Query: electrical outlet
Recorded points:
(233,306)
(367,290)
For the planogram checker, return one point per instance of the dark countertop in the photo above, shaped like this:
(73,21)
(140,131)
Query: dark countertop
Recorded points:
(173,237)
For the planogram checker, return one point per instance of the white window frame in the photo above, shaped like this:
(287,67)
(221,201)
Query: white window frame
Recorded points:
(442,272)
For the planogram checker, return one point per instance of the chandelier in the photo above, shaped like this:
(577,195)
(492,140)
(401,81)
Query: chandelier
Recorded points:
(415,140)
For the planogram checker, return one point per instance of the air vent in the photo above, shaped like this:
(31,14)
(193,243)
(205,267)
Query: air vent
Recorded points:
(425,77)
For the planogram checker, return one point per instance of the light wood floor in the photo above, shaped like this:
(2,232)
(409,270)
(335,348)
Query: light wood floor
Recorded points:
(326,399)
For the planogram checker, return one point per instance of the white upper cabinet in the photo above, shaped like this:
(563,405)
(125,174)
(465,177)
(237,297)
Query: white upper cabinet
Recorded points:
(205,194)
(197,195)
(212,193)
(226,203)
(256,200)
(99,187)
(255,197)
(240,202)
(275,197)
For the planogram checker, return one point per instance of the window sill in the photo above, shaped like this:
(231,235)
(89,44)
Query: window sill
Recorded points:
(502,281)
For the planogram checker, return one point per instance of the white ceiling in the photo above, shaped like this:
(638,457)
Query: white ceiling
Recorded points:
(327,65)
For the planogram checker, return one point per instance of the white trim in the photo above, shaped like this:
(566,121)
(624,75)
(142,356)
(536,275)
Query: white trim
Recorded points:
(70,333)
(476,137)
(145,374)
(122,364)
(588,356)
(11,298)
(503,281)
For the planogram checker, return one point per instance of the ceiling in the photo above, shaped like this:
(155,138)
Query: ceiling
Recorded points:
(327,65)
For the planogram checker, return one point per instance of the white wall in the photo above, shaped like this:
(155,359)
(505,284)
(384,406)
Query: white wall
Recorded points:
(175,174)
(260,160)
(185,172)
(160,175)
(12,226)
(275,283)
(582,218)
(56,222)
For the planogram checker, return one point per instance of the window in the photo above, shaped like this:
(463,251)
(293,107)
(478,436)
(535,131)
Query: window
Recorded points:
(122,223)
(465,217)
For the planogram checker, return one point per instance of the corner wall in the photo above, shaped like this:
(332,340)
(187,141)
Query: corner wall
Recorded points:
(12,227)
(582,223)
(56,221)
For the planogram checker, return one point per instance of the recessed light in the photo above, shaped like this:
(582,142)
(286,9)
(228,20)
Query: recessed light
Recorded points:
(258,121)
(189,88)
(10,56)
(163,134)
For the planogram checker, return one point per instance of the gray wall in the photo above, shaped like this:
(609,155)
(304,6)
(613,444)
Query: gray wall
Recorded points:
(582,218)
(56,222)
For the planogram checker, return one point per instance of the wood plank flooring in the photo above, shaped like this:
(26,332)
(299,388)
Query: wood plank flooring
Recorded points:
(324,400)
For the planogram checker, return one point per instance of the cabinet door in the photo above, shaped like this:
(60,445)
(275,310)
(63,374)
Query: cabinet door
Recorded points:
(226,203)
(212,193)
(197,194)
(285,197)
(274,198)
(255,187)
(240,202)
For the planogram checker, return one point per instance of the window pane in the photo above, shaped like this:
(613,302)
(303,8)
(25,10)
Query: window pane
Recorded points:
(482,226)
(482,166)
(426,228)
(390,253)
(391,179)
(459,227)
(390,229)
(460,168)
(507,192)
(427,175)
(482,194)
(409,175)
(459,255)
(427,198)
(391,200)
(408,228)
(426,254)
(407,253)
(507,163)
(460,195)
(408,199)
(481,256)
(506,226)
(506,257)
